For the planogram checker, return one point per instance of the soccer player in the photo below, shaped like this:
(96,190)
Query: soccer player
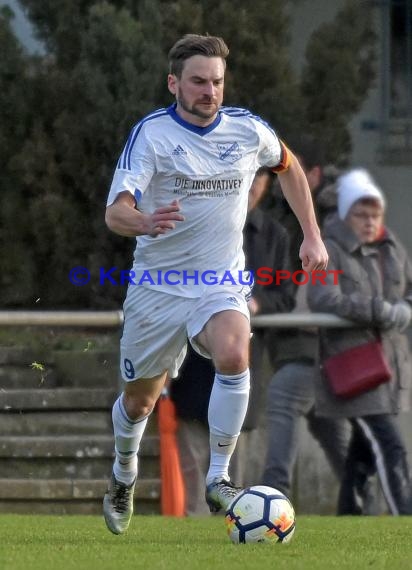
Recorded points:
(182,187)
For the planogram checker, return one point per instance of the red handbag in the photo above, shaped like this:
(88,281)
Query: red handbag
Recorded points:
(357,370)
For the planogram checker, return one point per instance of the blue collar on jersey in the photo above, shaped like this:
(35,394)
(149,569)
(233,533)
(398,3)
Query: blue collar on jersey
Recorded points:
(194,128)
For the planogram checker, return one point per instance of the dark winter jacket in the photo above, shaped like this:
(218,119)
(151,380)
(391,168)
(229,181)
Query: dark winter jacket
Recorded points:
(371,274)
(297,344)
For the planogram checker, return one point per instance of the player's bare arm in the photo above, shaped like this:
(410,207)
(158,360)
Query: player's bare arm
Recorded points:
(123,218)
(296,190)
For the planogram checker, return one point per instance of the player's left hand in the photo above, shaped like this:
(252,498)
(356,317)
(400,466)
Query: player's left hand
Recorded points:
(313,254)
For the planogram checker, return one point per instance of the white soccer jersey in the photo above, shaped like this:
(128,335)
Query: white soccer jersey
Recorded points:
(210,171)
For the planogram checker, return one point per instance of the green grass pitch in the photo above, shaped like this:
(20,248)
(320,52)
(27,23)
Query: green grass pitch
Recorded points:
(40,542)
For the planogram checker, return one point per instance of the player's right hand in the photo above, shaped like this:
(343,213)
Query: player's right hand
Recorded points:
(163,219)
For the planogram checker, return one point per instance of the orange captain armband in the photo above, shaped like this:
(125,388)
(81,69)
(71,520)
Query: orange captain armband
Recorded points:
(285,159)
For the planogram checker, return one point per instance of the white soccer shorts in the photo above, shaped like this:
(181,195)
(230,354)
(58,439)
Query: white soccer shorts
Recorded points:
(157,326)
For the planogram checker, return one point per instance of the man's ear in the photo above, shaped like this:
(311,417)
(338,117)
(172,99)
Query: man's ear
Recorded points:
(172,83)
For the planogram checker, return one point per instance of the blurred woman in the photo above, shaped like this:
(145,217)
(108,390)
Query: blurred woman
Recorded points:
(374,290)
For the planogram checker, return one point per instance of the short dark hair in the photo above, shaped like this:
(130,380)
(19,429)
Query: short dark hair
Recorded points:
(194,44)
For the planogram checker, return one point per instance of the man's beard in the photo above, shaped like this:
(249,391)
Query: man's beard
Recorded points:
(193,110)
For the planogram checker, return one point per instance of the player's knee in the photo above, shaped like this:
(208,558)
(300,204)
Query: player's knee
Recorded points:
(234,360)
(138,407)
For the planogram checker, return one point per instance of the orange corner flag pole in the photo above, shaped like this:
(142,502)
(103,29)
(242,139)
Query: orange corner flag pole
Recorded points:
(172,483)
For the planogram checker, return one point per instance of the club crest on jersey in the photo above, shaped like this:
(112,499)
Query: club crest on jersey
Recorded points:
(229,152)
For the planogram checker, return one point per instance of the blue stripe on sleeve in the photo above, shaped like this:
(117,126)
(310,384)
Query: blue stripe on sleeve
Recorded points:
(137,195)
(240,112)
(125,157)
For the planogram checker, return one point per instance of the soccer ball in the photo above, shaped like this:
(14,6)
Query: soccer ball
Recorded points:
(260,514)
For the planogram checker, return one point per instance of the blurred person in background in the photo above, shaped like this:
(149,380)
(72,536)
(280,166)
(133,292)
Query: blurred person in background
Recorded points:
(293,352)
(374,290)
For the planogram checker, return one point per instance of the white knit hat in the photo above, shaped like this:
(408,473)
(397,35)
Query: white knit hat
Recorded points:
(356,185)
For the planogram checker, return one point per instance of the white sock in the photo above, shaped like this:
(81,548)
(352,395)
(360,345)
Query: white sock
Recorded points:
(127,436)
(227,409)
